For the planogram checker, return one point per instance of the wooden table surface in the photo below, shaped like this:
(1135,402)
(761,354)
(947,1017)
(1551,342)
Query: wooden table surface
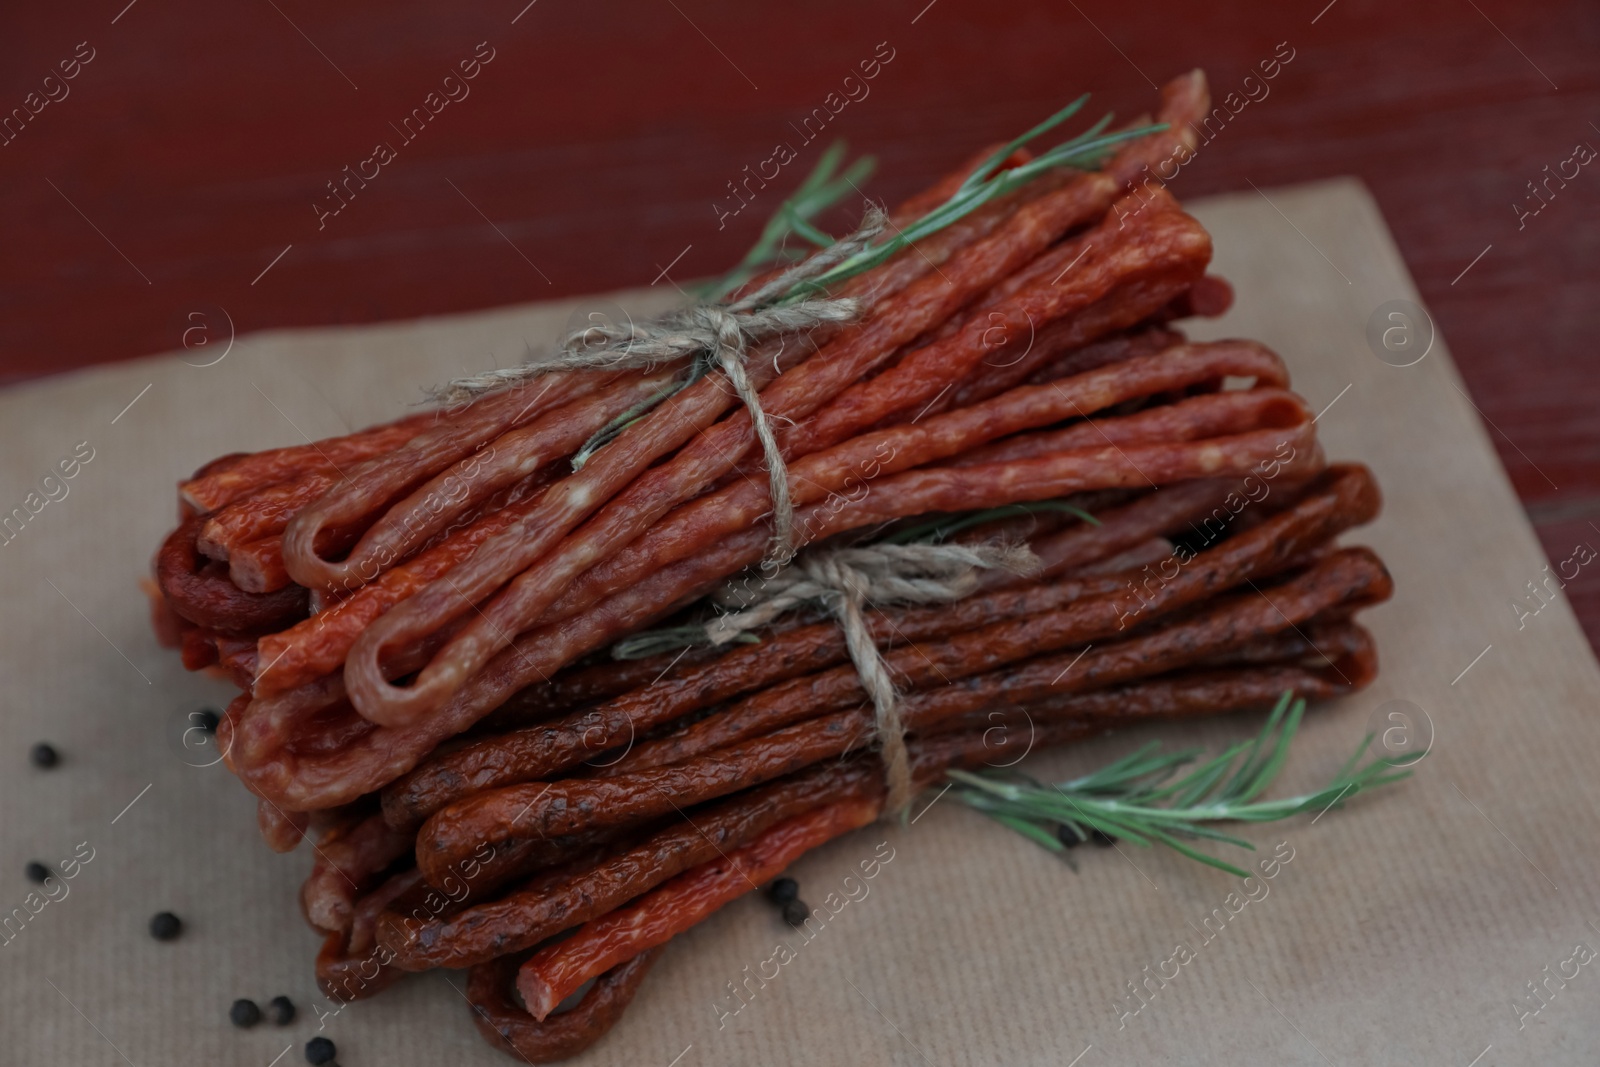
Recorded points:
(180,180)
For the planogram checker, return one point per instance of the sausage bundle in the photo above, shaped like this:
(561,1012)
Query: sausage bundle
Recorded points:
(420,614)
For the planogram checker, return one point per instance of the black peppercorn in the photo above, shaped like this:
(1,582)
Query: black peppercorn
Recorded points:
(44,754)
(795,912)
(1101,838)
(244,1013)
(1068,836)
(280,1010)
(207,719)
(36,871)
(164,926)
(783,890)
(319,1050)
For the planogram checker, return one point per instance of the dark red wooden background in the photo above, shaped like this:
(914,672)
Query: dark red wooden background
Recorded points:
(187,153)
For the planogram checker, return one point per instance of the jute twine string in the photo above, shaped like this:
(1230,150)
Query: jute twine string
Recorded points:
(845,582)
(719,334)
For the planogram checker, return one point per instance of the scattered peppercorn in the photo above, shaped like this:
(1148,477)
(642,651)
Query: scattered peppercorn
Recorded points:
(280,1010)
(1101,838)
(795,912)
(1068,835)
(244,1013)
(164,926)
(319,1050)
(207,719)
(36,871)
(44,754)
(783,890)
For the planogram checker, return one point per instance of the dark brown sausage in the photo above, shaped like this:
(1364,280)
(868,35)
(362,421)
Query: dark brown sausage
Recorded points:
(510,1029)
(201,592)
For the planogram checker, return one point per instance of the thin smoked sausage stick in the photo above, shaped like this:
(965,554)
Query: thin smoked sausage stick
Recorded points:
(221,483)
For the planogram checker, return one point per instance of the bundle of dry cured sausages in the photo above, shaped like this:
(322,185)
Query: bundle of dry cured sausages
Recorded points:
(420,614)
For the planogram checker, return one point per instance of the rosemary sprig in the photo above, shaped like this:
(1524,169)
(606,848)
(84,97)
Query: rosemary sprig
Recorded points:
(821,190)
(984,184)
(1136,799)
(939,530)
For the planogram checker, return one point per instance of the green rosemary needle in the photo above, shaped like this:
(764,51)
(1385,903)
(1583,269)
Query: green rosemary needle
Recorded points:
(1136,799)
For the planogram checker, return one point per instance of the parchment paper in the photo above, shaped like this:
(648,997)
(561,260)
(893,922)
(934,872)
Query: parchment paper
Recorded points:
(1405,928)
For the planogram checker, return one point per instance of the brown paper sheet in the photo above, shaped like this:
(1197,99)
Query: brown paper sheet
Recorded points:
(1406,928)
